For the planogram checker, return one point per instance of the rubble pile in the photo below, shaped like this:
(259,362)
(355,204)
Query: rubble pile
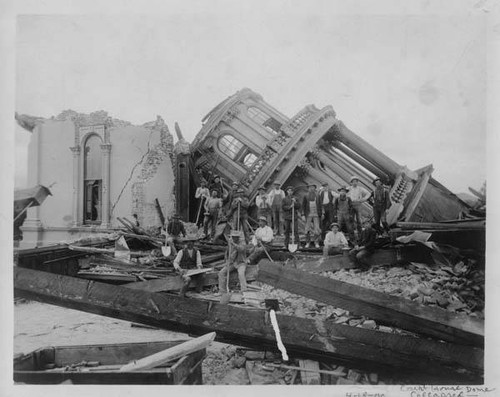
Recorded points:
(457,289)
(231,365)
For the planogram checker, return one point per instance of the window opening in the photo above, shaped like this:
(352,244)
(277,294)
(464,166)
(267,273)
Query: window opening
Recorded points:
(92,180)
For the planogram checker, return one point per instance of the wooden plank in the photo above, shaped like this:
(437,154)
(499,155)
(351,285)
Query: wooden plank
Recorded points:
(174,283)
(382,257)
(422,360)
(481,224)
(170,354)
(386,309)
(309,372)
(108,354)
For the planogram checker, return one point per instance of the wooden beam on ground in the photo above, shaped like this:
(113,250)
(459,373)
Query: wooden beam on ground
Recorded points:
(170,354)
(381,257)
(387,309)
(174,283)
(422,360)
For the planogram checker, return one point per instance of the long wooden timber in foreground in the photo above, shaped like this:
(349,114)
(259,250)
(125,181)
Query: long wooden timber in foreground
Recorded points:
(387,309)
(423,361)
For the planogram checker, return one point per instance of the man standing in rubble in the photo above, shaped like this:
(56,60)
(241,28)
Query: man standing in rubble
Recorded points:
(212,210)
(326,197)
(342,207)
(381,203)
(358,195)
(290,205)
(335,241)
(276,196)
(217,186)
(228,199)
(364,249)
(236,259)
(202,194)
(261,241)
(239,212)
(175,228)
(189,258)
(311,210)
(263,205)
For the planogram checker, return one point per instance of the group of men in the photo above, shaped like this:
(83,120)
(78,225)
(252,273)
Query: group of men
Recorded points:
(328,217)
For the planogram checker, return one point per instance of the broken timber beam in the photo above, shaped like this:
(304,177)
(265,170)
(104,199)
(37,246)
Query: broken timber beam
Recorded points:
(425,361)
(382,257)
(386,309)
(175,283)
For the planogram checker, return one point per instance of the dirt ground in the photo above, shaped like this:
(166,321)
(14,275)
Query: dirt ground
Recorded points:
(39,325)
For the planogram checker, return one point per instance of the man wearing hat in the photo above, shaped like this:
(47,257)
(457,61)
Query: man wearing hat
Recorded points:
(261,240)
(212,211)
(263,205)
(236,259)
(276,196)
(311,210)
(290,204)
(335,241)
(217,186)
(239,212)
(175,228)
(364,249)
(358,195)
(381,202)
(228,198)
(203,194)
(189,258)
(326,197)
(343,207)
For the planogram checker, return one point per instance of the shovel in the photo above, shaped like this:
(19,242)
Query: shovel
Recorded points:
(292,247)
(226,297)
(166,251)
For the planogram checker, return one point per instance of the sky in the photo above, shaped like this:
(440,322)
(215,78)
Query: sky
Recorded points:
(412,84)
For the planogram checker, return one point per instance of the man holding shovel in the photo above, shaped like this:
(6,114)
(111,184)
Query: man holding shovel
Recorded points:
(236,260)
(263,236)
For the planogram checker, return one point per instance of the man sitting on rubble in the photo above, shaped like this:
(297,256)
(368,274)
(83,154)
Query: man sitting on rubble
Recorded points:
(175,228)
(335,241)
(365,247)
(260,241)
(189,258)
(236,259)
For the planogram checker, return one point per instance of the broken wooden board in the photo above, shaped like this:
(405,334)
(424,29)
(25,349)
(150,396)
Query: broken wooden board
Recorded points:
(320,264)
(386,309)
(194,272)
(424,361)
(381,257)
(175,283)
(309,376)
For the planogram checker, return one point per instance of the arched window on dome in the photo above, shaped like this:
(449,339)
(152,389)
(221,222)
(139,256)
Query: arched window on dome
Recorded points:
(260,117)
(92,180)
(237,150)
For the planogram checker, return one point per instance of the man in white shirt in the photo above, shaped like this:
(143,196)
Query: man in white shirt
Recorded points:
(335,241)
(358,196)
(202,193)
(276,196)
(189,258)
(260,241)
